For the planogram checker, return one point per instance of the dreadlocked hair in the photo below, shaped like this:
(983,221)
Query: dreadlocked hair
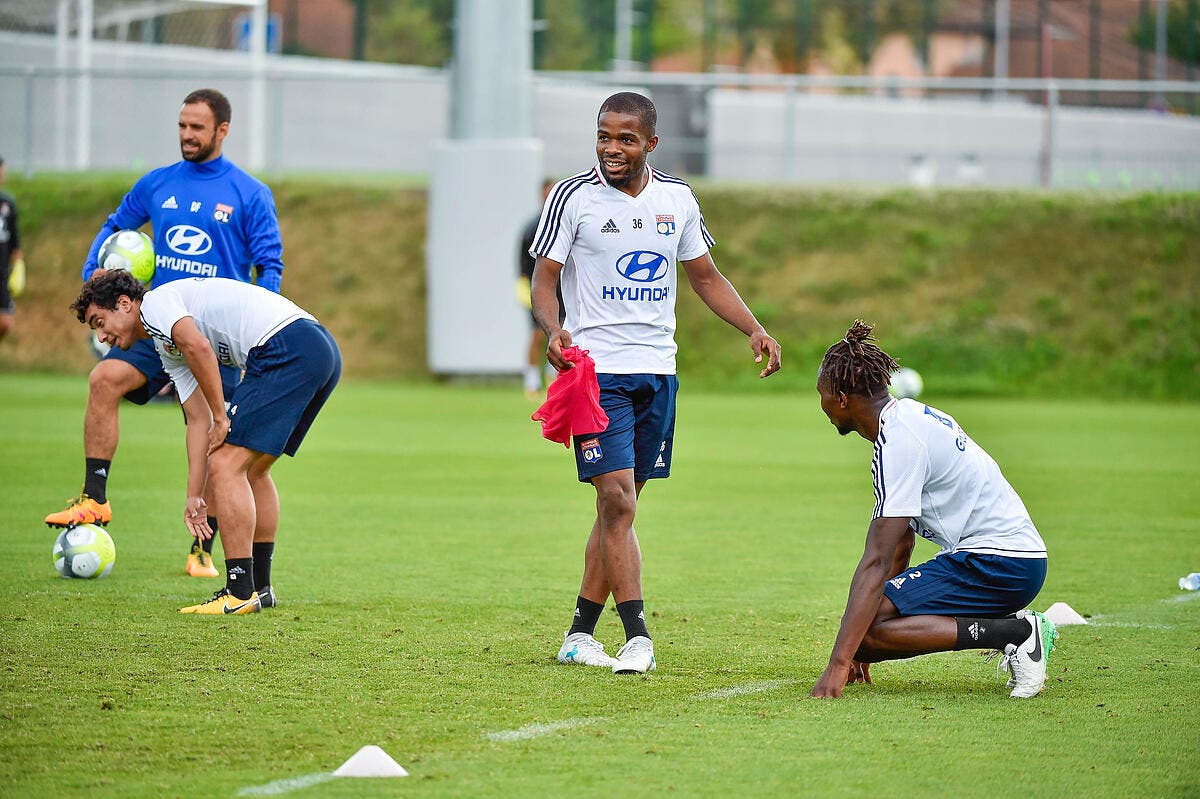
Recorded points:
(856,365)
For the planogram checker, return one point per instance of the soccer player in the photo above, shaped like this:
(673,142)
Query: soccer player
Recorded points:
(12,264)
(292,365)
(614,234)
(210,219)
(931,480)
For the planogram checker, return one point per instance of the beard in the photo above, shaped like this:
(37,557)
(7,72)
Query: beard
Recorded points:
(616,183)
(203,151)
(633,171)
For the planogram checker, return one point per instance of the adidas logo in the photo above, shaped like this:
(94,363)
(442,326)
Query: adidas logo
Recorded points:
(170,202)
(101,471)
(578,615)
(609,226)
(975,630)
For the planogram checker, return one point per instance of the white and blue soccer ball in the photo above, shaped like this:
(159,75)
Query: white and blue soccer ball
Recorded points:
(131,251)
(84,551)
(906,383)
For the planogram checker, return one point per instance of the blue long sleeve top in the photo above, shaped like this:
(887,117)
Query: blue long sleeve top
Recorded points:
(210,220)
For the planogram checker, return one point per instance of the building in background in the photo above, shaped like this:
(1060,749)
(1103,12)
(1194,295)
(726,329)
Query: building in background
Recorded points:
(724,74)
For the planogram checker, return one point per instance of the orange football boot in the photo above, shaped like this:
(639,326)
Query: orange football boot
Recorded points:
(200,563)
(225,603)
(81,510)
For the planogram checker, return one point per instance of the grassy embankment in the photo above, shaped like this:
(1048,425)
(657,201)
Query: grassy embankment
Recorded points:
(983,292)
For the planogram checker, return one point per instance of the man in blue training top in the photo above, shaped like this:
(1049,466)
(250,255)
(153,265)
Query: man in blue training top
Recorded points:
(210,219)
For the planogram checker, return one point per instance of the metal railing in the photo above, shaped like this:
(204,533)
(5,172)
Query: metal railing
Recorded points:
(687,99)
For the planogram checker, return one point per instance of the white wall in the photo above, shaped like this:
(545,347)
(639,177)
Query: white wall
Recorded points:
(335,116)
(892,141)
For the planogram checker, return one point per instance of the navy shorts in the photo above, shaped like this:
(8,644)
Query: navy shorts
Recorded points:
(641,428)
(967,584)
(143,357)
(287,381)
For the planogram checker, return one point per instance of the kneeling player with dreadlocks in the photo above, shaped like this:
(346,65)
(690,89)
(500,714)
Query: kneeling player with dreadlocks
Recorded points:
(930,480)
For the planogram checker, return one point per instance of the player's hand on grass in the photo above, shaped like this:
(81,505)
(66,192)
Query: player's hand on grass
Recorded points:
(558,341)
(218,432)
(832,681)
(195,516)
(859,672)
(762,344)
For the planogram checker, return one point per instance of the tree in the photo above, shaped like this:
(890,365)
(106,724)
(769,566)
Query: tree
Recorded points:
(1183,31)
(410,31)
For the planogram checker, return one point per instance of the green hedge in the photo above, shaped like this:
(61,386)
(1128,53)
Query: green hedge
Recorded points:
(992,293)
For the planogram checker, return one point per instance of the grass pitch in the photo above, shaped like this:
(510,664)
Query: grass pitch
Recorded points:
(428,559)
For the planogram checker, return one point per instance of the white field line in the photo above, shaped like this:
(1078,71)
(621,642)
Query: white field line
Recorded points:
(287,786)
(1184,597)
(538,730)
(756,687)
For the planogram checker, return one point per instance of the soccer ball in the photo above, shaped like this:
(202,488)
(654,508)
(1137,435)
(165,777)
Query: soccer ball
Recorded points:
(906,383)
(129,250)
(84,551)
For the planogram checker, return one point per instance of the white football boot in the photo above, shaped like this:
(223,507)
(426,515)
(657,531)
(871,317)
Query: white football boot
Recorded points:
(1027,661)
(636,657)
(584,650)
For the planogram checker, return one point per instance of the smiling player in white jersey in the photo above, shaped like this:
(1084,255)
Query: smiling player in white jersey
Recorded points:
(613,235)
(931,480)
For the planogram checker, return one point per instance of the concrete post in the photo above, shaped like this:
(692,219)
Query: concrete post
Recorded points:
(485,187)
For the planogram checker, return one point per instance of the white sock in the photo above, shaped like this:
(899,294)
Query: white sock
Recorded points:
(533,378)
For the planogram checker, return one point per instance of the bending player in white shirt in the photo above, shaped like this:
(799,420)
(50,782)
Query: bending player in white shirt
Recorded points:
(614,234)
(291,366)
(930,478)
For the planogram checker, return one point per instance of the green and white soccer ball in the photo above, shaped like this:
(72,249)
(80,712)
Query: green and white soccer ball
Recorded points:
(129,250)
(84,551)
(906,383)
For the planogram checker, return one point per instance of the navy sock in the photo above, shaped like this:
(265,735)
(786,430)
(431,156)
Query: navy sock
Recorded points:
(587,613)
(239,577)
(207,544)
(95,478)
(633,616)
(990,633)
(263,552)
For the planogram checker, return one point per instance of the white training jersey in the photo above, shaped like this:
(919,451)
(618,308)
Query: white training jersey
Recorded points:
(619,258)
(234,316)
(928,469)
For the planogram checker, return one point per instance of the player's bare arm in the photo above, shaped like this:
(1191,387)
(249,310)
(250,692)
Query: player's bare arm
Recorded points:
(545,310)
(203,365)
(199,423)
(860,671)
(884,537)
(720,295)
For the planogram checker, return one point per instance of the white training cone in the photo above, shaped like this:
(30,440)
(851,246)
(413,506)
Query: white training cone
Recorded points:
(370,761)
(1063,615)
